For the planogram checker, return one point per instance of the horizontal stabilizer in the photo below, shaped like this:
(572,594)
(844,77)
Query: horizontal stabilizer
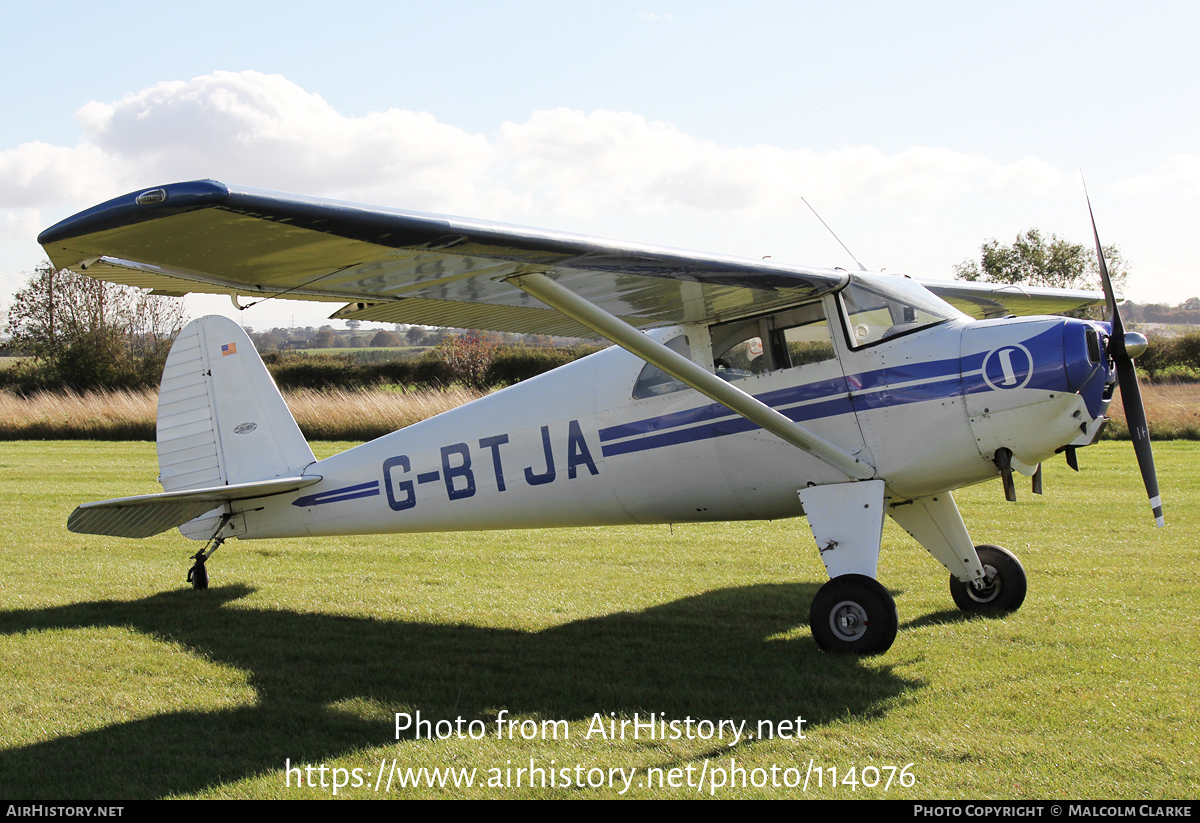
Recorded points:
(150,514)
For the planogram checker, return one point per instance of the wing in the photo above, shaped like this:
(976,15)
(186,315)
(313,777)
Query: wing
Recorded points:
(986,300)
(397,266)
(406,267)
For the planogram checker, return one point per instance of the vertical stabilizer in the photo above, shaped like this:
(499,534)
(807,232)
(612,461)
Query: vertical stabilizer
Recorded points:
(221,420)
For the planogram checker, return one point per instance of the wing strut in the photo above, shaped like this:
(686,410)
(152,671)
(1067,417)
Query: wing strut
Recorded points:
(629,338)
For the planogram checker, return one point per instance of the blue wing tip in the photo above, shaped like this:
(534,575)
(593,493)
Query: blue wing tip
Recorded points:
(137,206)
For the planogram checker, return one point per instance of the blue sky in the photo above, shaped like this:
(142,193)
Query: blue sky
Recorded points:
(919,130)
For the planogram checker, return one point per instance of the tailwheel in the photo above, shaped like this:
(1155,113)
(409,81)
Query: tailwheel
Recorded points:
(198,574)
(855,614)
(1002,588)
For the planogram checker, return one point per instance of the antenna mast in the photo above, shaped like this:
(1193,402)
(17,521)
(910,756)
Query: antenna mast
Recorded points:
(835,237)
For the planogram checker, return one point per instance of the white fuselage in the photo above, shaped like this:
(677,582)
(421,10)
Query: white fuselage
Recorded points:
(573,447)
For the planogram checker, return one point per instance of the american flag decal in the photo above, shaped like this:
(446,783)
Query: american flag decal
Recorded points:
(228,348)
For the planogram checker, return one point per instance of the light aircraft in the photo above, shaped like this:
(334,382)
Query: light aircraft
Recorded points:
(737,389)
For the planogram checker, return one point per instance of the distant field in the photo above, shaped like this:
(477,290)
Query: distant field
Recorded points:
(120,683)
(9,362)
(400,350)
(1171,328)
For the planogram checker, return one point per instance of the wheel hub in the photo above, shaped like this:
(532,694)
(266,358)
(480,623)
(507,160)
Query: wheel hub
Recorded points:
(987,589)
(848,620)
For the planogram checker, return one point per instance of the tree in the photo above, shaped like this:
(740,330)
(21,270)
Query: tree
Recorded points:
(85,333)
(324,339)
(1032,260)
(467,357)
(385,338)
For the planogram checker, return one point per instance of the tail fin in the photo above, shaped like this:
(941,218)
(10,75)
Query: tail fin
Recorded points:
(224,434)
(221,420)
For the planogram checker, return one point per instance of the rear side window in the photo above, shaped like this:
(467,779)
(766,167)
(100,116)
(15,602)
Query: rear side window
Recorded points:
(653,381)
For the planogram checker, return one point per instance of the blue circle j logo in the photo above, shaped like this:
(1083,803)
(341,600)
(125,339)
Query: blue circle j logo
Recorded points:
(1008,367)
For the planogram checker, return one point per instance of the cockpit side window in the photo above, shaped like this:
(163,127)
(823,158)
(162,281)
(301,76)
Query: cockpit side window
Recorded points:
(807,341)
(653,381)
(785,340)
(738,349)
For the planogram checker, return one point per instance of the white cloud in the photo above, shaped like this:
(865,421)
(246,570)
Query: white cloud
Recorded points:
(920,210)
(1178,175)
(35,174)
(20,224)
(264,130)
(585,163)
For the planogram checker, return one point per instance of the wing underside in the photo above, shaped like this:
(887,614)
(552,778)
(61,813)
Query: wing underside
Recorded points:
(987,300)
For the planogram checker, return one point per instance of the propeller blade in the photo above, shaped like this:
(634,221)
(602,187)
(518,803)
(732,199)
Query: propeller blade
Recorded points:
(1139,432)
(1122,351)
(1037,480)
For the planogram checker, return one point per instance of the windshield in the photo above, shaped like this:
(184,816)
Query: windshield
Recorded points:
(879,307)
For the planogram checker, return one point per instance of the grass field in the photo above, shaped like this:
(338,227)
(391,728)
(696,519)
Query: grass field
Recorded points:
(119,682)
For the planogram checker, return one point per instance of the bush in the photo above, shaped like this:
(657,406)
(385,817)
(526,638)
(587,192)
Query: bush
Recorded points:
(518,363)
(1172,358)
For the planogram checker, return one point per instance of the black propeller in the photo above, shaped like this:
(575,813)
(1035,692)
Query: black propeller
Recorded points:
(1124,346)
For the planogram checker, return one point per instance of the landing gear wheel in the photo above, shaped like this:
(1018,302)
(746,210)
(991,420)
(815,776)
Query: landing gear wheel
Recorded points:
(198,574)
(1004,583)
(855,614)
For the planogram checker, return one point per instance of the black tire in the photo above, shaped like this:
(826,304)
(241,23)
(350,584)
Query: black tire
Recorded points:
(1005,583)
(854,614)
(198,576)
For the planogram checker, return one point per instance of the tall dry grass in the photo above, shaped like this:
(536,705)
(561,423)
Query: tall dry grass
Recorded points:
(123,415)
(102,415)
(1172,408)
(365,415)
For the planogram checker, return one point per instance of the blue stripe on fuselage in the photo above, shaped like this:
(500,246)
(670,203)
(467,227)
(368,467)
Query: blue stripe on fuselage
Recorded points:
(369,489)
(830,407)
(896,385)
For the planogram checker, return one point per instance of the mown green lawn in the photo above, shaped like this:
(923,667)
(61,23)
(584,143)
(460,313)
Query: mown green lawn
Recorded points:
(119,682)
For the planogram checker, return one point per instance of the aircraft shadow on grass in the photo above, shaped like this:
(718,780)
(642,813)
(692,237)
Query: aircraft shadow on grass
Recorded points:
(708,656)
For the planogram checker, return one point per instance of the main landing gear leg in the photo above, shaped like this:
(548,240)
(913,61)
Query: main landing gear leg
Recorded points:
(198,574)
(853,612)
